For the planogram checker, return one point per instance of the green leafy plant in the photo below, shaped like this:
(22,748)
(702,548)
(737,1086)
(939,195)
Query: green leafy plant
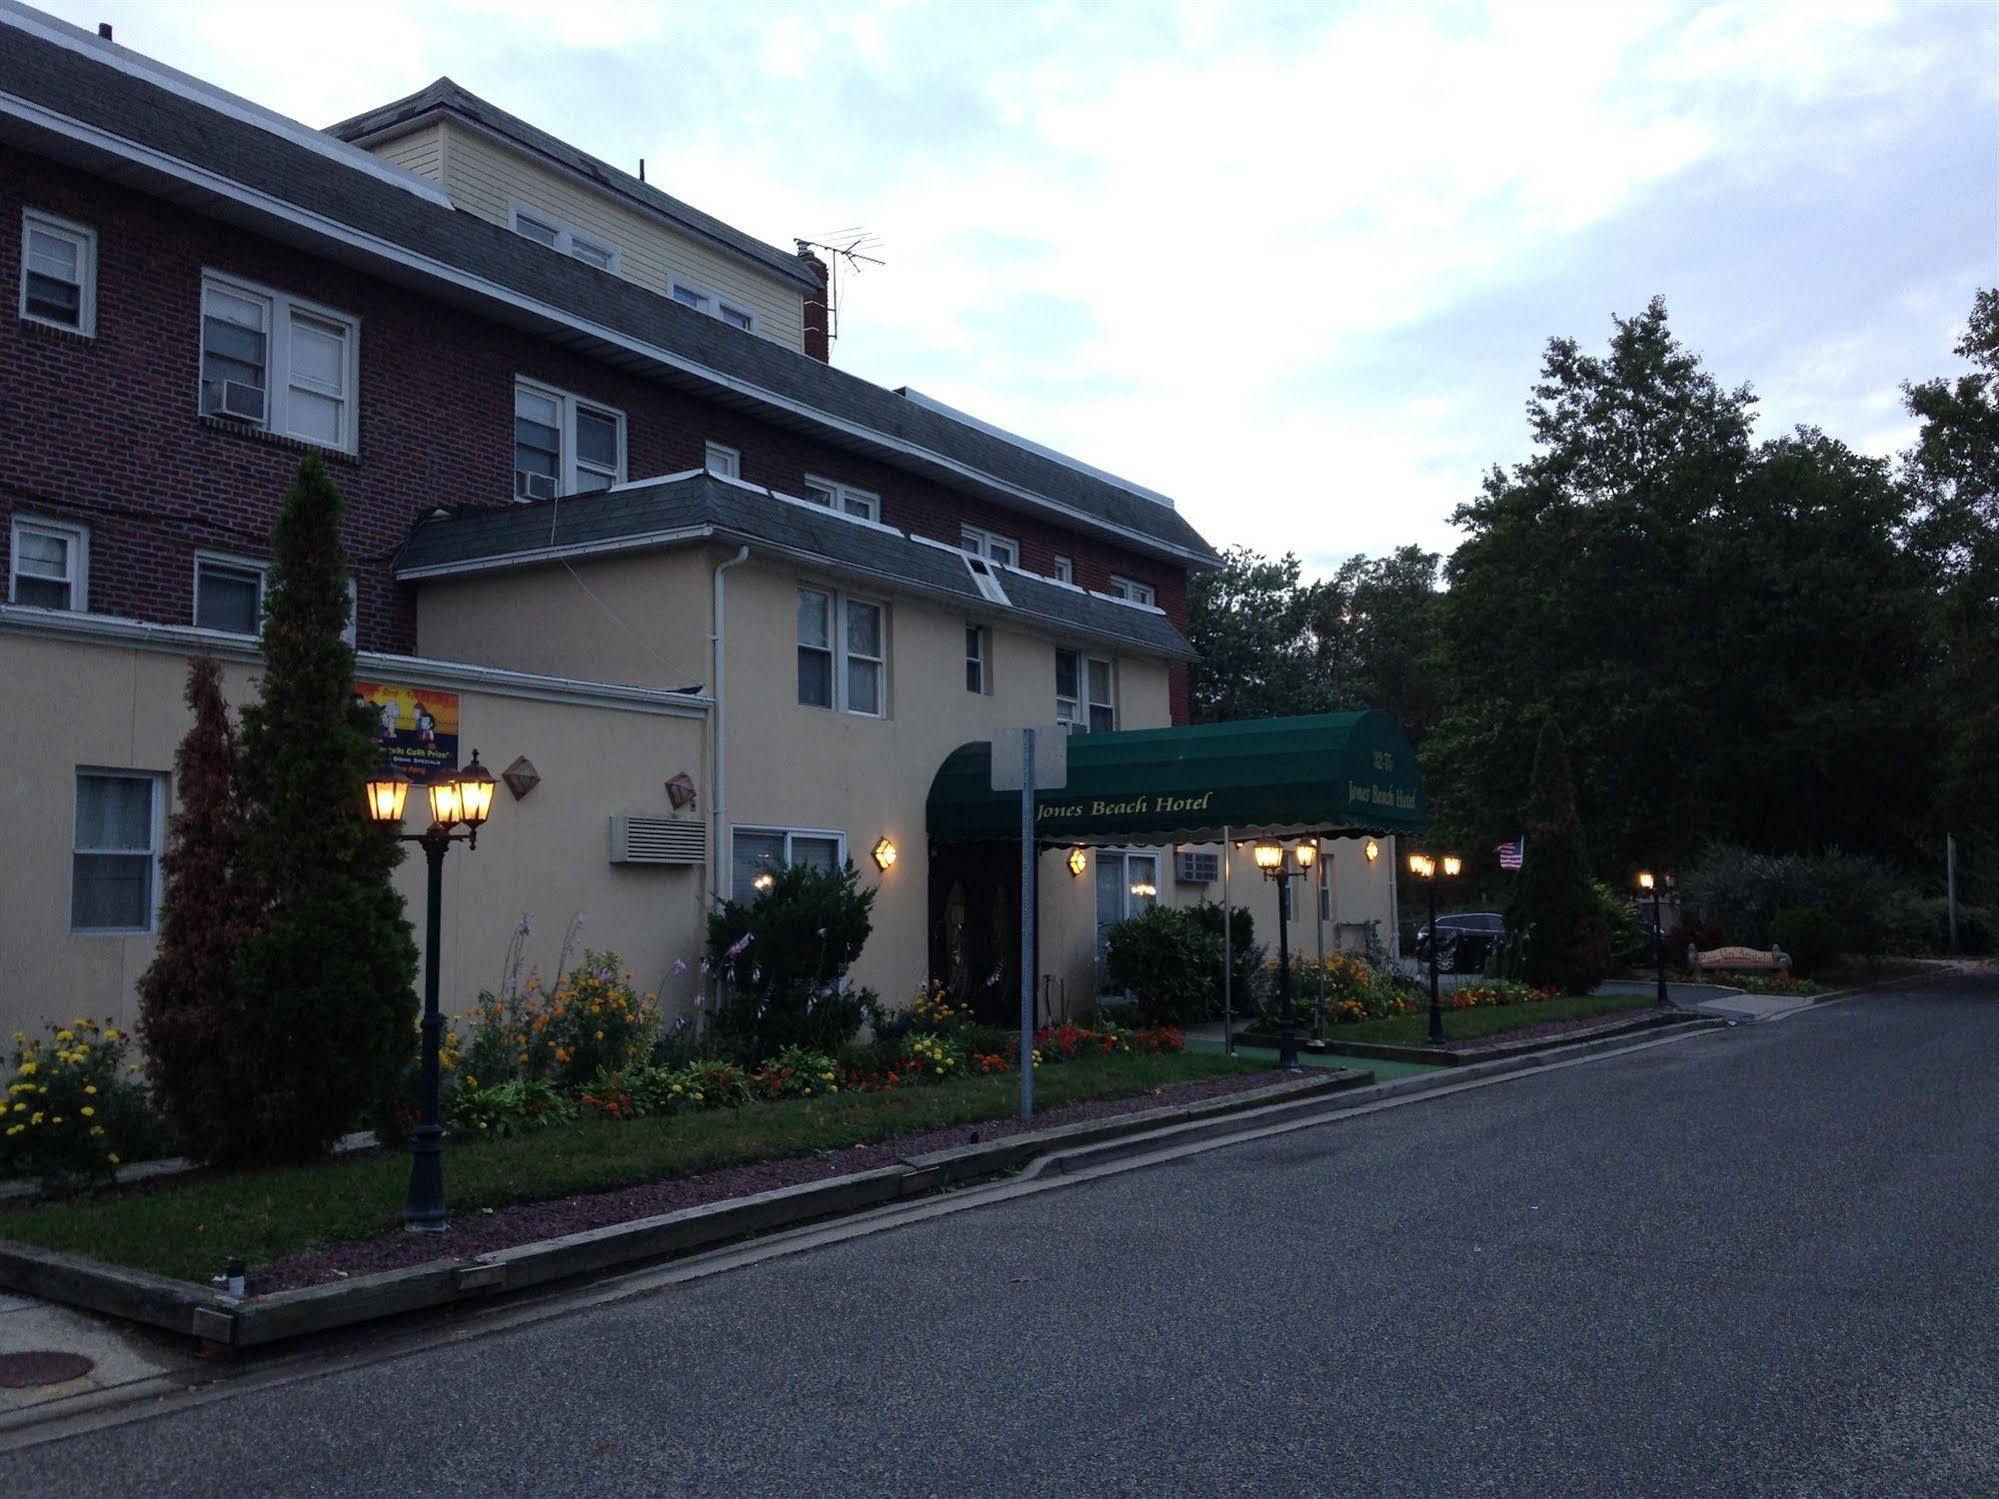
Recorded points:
(1812,939)
(72,1114)
(796,1073)
(783,957)
(1168,962)
(1566,942)
(1247,969)
(516,1107)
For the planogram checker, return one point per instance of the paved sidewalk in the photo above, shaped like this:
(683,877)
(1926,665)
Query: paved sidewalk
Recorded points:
(117,1357)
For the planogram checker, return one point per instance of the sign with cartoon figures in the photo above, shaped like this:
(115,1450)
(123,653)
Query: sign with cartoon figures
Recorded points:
(416,728)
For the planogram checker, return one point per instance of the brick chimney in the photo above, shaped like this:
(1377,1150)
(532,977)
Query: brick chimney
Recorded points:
(816,317)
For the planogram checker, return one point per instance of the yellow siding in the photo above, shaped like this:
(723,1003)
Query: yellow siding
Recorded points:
(485,176)
(421,151)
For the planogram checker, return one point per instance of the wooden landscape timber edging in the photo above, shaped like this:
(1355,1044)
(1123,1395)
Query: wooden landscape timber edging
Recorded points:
(194,1310)
(1469,1055)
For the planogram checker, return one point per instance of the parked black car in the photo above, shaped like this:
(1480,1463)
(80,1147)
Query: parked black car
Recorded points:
(1468,941)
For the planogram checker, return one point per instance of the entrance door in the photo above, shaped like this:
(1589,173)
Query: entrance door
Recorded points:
(975,926)
(1127,883)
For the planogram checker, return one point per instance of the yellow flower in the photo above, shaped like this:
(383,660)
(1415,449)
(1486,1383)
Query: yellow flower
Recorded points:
(112,1159)
(27,1069)
(90,1088)
(97,1129)
(87,1111)
(65,1035)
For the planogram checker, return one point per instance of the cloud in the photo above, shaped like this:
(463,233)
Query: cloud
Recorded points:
(1292,264)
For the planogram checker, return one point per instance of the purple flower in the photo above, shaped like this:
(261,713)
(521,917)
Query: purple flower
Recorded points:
(742,945)
(527,923)
(679,966)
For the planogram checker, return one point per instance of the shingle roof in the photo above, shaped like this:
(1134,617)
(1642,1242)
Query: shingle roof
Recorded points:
(157,133)
(446,96)
(689,508)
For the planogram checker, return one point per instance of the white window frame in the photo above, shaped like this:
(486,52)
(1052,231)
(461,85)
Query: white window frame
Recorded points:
(76,539)
(978,659)
(568,403)
(842,651)
(1129,905)
(843,499)
(279,310)
(84,238)
(1074,713)
(157,832)
(990,545)
(838,836)
(567,237)
(239,564)
(1065,569)
(724,460)
(697,298)
(1134,592)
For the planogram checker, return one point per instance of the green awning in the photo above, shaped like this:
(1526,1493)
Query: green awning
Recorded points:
(1275,777)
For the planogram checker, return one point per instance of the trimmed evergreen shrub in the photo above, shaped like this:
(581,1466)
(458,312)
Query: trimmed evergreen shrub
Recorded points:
(1168,962)
(1249,971)
(1566,942)
(782,956)
(189,1010)
(328,1008)
(1812,939)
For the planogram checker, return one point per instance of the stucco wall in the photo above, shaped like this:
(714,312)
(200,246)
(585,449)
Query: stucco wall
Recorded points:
(121,709)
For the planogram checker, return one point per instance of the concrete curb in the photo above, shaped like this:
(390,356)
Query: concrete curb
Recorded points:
(187,1308)
(1380,1051)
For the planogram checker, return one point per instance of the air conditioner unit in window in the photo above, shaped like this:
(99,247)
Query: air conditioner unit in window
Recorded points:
(232,398)
(534,486)
(1196,869)
(658,840)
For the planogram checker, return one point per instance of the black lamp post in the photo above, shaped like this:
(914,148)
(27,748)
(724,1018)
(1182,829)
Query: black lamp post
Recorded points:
(1284,864)
(1425,869)
(456,797)
(1646,882)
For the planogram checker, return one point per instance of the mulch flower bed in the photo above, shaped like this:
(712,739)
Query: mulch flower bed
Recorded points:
(481,1230)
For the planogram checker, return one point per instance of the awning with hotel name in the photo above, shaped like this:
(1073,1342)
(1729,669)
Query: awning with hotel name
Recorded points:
(1336,773)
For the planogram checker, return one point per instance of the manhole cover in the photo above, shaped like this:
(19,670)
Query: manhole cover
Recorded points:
(20,1370)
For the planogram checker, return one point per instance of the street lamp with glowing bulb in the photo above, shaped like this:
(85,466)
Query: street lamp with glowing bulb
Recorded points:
(1425,869)
(1284,864)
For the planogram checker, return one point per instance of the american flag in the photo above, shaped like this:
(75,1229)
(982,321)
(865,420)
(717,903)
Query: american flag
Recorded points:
(1510,854)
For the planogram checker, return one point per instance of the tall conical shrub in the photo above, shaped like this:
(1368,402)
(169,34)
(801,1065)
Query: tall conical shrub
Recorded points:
(327,983)
(1567,942)
(188,1008)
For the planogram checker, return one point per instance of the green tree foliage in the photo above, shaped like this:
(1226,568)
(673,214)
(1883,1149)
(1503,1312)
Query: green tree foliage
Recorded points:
(1273,643)
(190,1012)
(1953,474)
(782,956)
(1566,942)
(328,1007)
(1733,635)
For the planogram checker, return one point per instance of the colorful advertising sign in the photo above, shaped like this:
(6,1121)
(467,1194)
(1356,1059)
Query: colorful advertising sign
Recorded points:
(417,727)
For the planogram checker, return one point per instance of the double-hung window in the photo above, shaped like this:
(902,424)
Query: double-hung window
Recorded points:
(1134,592)
(1065,569)
(726,461)
(1127,886)
(228,594)
(1085,692)
(272,361)
(978,659)
(49,566)
(114,873)
(843,497)
(842,652)
(58,273)
(991,546)
(704,301)
(564,444)
(546,230)
(757,852)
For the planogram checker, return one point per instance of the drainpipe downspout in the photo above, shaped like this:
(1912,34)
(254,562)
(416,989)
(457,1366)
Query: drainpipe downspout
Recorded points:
(719,720)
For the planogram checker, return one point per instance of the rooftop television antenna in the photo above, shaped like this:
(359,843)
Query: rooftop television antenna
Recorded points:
(850,245)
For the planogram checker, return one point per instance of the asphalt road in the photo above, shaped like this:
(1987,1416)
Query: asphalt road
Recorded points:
(1759,1261)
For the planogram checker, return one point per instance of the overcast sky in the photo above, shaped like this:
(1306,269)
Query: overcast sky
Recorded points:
(1291,263)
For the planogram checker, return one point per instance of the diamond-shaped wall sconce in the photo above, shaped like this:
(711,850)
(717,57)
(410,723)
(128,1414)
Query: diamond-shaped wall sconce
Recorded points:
(680,791)
(521,776)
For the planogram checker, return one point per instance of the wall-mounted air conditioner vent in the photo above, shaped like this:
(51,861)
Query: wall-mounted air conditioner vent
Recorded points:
(658,840)
(534,486)
(233,398)
(1197,869)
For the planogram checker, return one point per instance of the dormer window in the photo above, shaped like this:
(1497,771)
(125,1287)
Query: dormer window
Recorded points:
(1133,592)
(992,546)
(546,230)
(843,497)
(705,302)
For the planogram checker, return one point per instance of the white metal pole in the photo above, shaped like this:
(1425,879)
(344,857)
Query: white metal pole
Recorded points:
(1228,952)
(1027,913)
